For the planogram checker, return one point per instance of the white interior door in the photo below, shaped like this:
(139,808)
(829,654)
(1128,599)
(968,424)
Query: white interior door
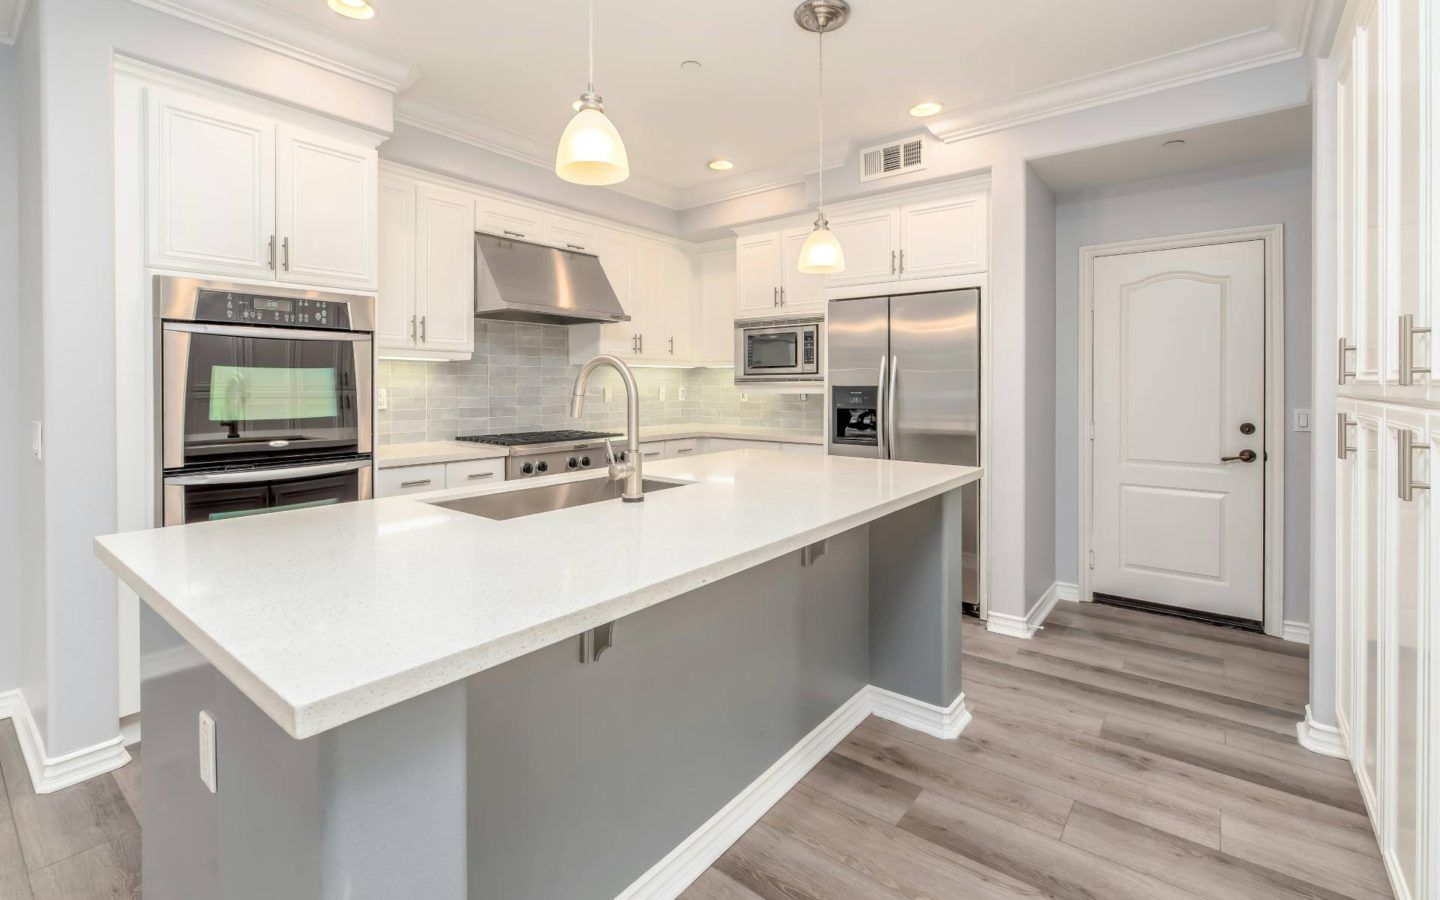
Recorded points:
(1179,388)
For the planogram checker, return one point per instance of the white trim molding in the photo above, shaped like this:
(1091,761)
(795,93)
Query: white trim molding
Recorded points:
(11,22)
(1276,419)
(697,852)
(290,35)
(1068,591)
(1297,632)
(1025,626)
(1292,33)
(51,773)
(1322,739)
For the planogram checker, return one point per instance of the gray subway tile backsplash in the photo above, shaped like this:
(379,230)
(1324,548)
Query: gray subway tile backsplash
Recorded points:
(520,378)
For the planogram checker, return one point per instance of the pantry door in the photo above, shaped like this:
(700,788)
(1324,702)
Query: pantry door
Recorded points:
(1178,458)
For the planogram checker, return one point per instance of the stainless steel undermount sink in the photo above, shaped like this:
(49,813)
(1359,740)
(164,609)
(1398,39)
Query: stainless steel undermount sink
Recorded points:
(529,501)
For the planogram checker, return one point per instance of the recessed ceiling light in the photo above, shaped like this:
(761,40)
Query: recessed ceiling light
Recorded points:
(353,9)
(928,108)
(690,65)
(721,165)
(1172,144)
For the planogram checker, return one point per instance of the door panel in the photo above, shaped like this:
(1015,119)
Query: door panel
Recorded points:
(1179,367)
(857,339)
(935,367)
(944,237)
(445,255)
(395,305)
(617,258)
(1366,559)
(1346,534)
(325,210)
(757,264)
(802,293)
(871,242)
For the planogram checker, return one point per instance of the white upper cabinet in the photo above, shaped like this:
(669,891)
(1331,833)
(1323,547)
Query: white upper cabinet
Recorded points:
(715,327)
(617,257)
(943,237)
(506,218)
(211,187)
(758,275)
(396,327)
(871,241)
(677,308)
(646,309)
(570,234)
(800,293)
(325,210)
(232,192)
(445,270)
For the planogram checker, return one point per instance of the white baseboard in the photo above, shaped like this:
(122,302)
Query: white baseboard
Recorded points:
(688,861)
(51,773)
(130,729)
(1317,738)
(1299,632)
(1068,591)
(1025,626)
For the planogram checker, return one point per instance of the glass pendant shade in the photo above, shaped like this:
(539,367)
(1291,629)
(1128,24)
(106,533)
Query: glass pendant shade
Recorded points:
(591,151)
(821,254)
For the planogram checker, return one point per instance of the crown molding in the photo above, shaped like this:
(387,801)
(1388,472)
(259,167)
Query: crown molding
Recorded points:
(1295,31)
(12,16)
(292,36)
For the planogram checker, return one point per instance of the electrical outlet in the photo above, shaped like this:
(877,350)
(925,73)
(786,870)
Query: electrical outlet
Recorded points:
(382,399)
(37,442)
(207,750)
(744,398)
(680,392)
(1302,420)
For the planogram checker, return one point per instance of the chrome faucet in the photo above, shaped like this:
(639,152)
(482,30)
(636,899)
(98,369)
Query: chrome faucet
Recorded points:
(627,469)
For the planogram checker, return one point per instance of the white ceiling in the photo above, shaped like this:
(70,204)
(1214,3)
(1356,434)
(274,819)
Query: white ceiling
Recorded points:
(1276,134)
(505,73)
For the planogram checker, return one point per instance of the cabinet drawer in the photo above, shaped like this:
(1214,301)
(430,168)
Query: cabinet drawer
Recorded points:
(409,480)
(652,451)
(686,447)
(474,472)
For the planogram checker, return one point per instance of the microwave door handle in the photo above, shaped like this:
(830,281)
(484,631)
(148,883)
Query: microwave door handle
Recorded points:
(251,476)
(881,410)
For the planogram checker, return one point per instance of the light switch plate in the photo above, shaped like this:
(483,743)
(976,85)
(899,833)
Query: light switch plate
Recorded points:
(207,750)
(382,399)
(1302,420)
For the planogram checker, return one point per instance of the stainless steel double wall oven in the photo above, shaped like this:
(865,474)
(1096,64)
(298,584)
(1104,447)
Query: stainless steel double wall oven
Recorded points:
(264,398)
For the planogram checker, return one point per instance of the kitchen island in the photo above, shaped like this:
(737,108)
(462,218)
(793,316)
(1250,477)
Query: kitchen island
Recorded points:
(411,700)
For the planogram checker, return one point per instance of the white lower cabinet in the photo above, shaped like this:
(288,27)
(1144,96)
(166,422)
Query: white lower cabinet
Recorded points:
(719,445)
(409,480)
(682,448)
(474,472)
(651,451)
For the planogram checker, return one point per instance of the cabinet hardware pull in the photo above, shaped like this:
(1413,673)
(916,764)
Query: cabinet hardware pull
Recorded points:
(412,328)
(272,252)
(902,262)
(681,450)
(774,296)
(782,297)
(640,343)
(1343,424)
(892,262)
(672,346)
(1405,448)
(406,484)
(1345,348)
(423,338)
(285,253)
(1408,369)
(474,475)
(575,246)
(513,233)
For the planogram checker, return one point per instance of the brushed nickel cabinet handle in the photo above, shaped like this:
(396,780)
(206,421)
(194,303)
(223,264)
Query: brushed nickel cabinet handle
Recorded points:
(518,234)
(410,484)
(902,262)
(285,253)
(1345,348)
(892,262)
(1407,367)
(413,319)
(1343,424)
(272,252)
(1405,448)
(672,346)
(423,338)
(575,246)
(774,296)
(473,476)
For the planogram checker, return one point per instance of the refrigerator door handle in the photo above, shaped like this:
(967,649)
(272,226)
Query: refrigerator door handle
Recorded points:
(890,405)
(881,412)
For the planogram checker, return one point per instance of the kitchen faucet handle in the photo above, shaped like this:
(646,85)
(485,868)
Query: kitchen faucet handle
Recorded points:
(609,452)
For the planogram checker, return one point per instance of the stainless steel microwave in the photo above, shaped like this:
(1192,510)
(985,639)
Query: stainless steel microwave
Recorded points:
(779,350)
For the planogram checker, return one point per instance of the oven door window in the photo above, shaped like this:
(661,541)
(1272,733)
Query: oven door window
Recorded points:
(247,397)
(769,352)
(209,503)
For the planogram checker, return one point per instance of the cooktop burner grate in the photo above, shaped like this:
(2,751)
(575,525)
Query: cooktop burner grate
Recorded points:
(524,438)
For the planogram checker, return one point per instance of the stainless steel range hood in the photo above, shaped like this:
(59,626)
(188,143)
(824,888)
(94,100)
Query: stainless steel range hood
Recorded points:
(519,281)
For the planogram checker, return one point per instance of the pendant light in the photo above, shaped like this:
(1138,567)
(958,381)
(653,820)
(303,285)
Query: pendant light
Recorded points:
(821,254)
(591,151)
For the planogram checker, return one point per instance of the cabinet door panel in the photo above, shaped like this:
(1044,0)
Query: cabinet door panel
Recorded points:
(1368,326)
(395,305)
(325,215)
(211,193)
(757,275)
(717,318)
(569,234)
(802,293)
(943,237)
(1370,612)
(617,258)
(504,218)
(871,242)
(445,265)
(647,307)
(1346,534)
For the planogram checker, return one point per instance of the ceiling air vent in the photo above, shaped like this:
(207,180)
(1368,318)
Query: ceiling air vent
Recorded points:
(892,159)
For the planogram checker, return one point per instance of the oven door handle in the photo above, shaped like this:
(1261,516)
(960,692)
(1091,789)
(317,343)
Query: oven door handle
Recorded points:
(264,331)
(250,476)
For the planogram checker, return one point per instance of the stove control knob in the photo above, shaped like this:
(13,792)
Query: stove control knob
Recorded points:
(585,461)
(527,468)
(542,466)
(572,463)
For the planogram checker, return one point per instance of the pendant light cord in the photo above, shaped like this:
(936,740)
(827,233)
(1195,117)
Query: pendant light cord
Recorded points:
(592,46)
(820,120)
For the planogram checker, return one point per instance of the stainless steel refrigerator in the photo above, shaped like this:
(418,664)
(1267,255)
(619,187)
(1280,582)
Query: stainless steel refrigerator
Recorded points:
(904,377)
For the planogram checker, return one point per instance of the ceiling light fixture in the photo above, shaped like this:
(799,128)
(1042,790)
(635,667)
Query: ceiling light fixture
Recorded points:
(821,254)
(591,151)
(721,165)
(926,109)
(352,9)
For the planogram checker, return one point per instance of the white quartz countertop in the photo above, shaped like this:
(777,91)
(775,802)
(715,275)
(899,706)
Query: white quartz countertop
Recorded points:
(321,616)
(394,456)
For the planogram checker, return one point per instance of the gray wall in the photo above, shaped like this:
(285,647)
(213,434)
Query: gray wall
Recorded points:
(520,379)
(1262,193)
(1039,389)
(10,430)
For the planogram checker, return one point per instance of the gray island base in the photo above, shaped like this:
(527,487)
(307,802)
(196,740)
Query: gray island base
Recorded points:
(545,776)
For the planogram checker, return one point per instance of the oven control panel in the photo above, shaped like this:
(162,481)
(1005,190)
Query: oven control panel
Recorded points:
(284,312)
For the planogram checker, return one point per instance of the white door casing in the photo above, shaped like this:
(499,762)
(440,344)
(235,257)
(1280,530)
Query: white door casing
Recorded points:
(1179,369)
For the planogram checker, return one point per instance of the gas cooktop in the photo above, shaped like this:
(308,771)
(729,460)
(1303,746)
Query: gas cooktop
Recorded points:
(526,438)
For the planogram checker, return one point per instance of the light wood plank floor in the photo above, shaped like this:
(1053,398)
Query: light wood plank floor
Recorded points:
(1116,755)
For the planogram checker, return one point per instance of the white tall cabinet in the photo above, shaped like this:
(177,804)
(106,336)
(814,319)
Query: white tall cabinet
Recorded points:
(1387,564)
